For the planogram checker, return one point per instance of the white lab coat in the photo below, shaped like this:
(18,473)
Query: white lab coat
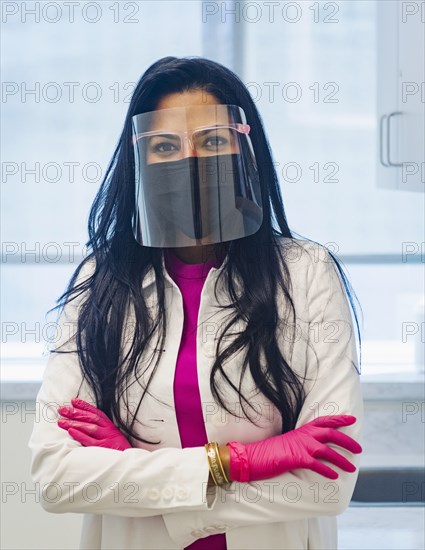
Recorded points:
(138,499)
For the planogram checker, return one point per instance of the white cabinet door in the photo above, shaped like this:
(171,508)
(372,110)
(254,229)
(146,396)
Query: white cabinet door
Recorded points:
(401,95)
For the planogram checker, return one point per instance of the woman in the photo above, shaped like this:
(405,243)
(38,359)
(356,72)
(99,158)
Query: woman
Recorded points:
(245,432)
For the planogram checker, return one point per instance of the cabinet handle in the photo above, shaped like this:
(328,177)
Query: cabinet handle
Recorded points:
(381,141)
(388,138)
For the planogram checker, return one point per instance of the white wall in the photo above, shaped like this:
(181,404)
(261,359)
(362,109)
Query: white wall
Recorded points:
(25,525)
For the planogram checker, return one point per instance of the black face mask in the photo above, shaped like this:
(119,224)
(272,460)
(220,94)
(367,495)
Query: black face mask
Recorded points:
(201,196)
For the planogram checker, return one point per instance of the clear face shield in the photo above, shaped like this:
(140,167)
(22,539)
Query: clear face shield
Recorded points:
(196,177)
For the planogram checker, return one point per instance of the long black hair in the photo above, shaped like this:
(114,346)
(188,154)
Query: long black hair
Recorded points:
(121,264)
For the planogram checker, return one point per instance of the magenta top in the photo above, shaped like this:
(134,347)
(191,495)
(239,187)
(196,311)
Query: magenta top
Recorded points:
(190,279)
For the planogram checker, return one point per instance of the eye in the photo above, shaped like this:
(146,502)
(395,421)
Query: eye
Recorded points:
(215,141)
(221,140)
(163,144)
(164,147)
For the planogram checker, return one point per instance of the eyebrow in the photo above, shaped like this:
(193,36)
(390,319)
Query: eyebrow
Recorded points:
(202,129)
(160,134)
(206,130)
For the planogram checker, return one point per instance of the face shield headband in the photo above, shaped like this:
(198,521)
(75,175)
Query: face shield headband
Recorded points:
(196,177)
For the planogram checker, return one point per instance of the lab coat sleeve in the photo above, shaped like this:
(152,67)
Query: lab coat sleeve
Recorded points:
(72,478)
(300,493)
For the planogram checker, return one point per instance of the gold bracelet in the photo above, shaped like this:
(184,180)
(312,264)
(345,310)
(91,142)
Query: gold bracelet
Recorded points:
(214,469)
(220,463)
(206,446)
(209,464)
(213,464)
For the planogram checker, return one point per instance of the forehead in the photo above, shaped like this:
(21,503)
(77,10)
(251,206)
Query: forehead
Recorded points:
(188,117)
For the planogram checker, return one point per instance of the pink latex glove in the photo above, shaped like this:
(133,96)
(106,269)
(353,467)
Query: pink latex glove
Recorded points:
(297,448)
(91,427)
